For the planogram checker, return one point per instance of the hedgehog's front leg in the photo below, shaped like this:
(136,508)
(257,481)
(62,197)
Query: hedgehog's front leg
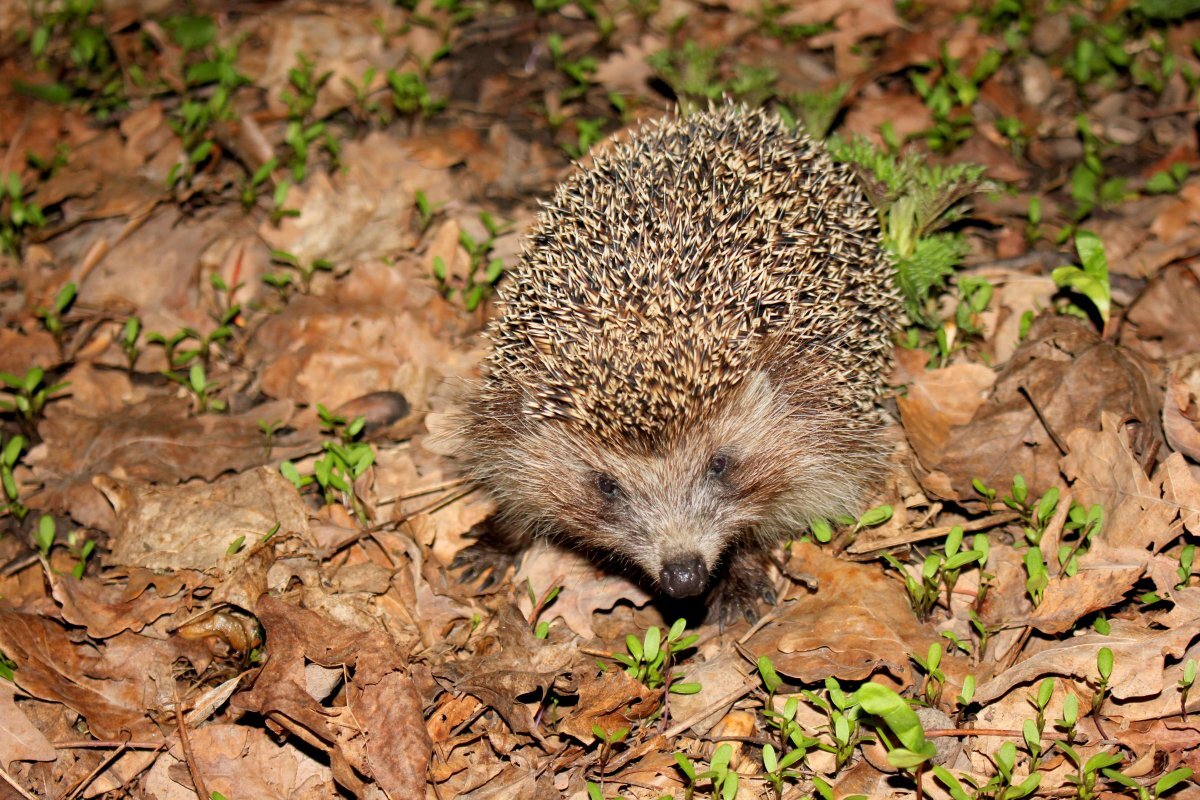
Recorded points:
(745,584)
(496,549)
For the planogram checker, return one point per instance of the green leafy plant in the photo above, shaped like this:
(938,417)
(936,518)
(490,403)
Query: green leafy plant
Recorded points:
(345,460)
(52,317)
(410,94)
(915,201)
(69,42)
(28,394)
(1185,686)
(1090,279)
(790,738)
(302,131)
(203,390)
(10,454)
(940,570)
(649,659)
(949,92)
(306,272)
(210,80)
(1163,785)
(17,215)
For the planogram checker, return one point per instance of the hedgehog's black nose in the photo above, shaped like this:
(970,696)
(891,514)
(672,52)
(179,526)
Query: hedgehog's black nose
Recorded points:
(684,577)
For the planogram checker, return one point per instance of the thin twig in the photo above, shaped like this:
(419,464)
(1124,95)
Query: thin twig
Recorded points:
(186,744)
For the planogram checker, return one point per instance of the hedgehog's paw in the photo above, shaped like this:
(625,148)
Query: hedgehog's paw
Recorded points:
(489,558)
(746,584)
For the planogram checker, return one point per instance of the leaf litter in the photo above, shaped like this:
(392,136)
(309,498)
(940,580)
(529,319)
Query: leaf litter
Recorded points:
(245,261)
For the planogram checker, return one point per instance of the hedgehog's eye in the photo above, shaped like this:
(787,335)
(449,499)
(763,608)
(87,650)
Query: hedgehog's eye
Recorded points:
(718,465)
(607,485)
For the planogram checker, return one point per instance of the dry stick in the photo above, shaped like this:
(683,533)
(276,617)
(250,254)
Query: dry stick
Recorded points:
(87,779)
(370,532)
(11,781)
(185,742)
(1054,437)
(90,743)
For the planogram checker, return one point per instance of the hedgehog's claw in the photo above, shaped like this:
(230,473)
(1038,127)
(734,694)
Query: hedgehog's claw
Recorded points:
(747,583)
(488,558)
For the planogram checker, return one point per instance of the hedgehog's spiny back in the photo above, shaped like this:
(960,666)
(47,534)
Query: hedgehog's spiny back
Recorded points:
(657,278)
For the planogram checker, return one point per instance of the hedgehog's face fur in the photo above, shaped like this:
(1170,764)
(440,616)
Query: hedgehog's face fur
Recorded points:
(760,466)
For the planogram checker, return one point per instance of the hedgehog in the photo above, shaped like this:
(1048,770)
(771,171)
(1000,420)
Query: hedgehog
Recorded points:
(685,364)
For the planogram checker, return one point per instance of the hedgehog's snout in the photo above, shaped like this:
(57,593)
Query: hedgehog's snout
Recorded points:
(684,577)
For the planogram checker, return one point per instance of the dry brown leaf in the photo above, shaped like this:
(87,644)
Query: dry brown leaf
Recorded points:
(1163,321)
(1181,407)
(608,700)
(106,609)
(20,739)
(114,685)
(1104,472)
(937,400)
(511,663)
(241,761)
(586,587)
(1072,377)
(152,441)
(1139,655)
(1106,574)
(298,637)
(858,622)
(194,526)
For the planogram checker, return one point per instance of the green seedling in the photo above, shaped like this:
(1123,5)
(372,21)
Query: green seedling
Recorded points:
(10,453)
(1163,785)
(203,391)
(1185,686)
(1070,717)
(52,317)
(541,628)
(949,92)
(306,272)
(279,209)
(254,183)
(691,72)
(608,741)
(18,216)
(80,548)
(130,334)
(1168,181)
(1037,578)
(1087,772)
(649,659)
(1084,526)
(45,534)
(911,748)
(940,571)
(363,106)
(410,94)
(793,744)
(842,712)
(933,679)
(71,44)
(1088,185)
(1090,279)
(1187,555)
(28,394)
(345,461)
(1104,667)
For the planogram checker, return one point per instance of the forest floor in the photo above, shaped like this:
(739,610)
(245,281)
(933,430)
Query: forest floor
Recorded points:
(246,252)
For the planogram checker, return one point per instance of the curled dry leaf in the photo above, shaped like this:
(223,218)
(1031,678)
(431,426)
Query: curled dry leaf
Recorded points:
(1181,407)
(1072,377)
(857,623)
